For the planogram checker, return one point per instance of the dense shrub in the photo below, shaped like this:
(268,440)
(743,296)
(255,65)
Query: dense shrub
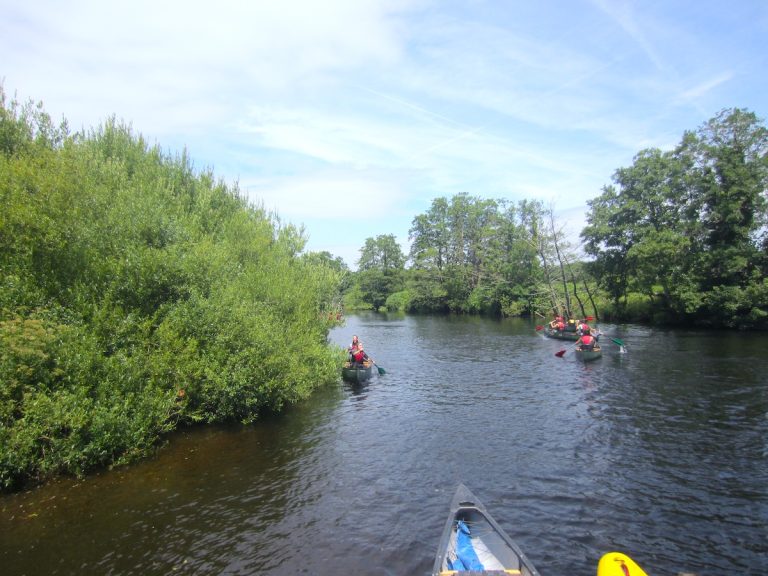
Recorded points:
(137,295)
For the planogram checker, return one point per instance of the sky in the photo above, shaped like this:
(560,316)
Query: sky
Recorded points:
(349,117)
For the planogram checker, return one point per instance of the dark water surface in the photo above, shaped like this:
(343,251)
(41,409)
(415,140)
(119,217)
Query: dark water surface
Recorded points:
(660,452)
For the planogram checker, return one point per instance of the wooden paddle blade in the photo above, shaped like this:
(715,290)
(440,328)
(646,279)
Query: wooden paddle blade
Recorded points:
(560,354)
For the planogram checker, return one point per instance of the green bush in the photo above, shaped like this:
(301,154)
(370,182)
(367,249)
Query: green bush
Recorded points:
(137,295)
(399,301)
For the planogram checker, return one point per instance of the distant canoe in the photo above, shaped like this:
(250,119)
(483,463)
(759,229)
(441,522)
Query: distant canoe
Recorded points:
(357,373)
(561,334)
(588,355)
(472,542)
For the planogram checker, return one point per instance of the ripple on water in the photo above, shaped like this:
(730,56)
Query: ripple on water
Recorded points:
(663,456)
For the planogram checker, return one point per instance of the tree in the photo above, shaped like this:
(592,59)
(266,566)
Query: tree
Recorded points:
(730,158)
(334,263)
(474,255)
(380,269)
(689,225)
(453,248)
(640,233)
(513,268)
(429,235)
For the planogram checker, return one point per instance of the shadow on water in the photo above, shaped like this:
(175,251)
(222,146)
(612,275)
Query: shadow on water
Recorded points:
(661,452)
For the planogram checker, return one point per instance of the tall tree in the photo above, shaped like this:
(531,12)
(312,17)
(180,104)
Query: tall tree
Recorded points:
(515,268)
(381,268)
(455,249)
(689,225)
(640,233)
(429,235)
(730,156)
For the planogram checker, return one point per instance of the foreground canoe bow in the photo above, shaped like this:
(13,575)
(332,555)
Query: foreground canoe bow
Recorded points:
(473,542)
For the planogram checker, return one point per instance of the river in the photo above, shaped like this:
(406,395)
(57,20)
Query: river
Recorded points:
(659,450)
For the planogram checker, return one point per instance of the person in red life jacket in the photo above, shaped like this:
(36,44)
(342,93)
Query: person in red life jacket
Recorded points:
(557,324)
(360,356)
(356,352)
(594,332)
(352,348)
(586,341)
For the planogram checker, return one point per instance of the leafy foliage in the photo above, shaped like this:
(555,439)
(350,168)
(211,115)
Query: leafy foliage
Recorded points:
(380,269)
(472,255)
(137,295)
(692,222)
(678,237)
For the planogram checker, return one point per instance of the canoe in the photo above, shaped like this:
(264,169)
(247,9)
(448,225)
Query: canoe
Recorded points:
(473,541)
(357,373)
(588,355)
(618,564)
(561,334)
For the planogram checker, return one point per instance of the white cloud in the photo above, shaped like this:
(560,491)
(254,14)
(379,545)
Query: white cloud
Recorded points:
(327,195)
(392,103)
(132,56)
(696,92)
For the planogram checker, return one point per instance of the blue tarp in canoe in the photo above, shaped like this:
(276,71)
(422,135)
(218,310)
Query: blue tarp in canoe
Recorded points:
(466,556)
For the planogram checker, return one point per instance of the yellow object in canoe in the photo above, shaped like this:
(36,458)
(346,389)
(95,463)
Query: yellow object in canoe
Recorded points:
(618,564)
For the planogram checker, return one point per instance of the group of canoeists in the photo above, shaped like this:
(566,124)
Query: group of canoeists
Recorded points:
(584,337)
(573,329)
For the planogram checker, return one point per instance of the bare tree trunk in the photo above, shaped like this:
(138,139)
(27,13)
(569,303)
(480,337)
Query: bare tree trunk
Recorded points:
(591,299)
(586,289)
(555,235)
(539,246)
(575,292)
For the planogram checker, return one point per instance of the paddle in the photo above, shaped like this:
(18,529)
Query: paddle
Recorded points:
(620,344)
(539,327)
(560,353)
(379,368)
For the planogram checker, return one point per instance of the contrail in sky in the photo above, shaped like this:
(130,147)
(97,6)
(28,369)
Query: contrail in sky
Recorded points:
(466,130)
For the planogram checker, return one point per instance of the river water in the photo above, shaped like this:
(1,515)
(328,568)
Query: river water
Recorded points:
(659,450)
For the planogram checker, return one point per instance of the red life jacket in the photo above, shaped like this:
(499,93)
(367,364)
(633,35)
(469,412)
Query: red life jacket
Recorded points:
(587,340)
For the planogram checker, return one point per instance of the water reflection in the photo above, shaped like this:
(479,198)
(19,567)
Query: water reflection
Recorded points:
(660,452)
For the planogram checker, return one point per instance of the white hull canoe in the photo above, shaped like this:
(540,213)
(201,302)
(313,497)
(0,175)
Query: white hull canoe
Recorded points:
(472,542)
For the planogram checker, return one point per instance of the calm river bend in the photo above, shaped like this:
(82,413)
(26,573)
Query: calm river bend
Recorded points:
(660,452)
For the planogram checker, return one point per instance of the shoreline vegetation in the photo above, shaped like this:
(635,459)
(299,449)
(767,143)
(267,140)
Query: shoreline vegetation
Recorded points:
(680,238)
(139,295)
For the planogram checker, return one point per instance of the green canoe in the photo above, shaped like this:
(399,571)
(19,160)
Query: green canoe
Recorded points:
(357,373)
(588,355)
(561,334)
